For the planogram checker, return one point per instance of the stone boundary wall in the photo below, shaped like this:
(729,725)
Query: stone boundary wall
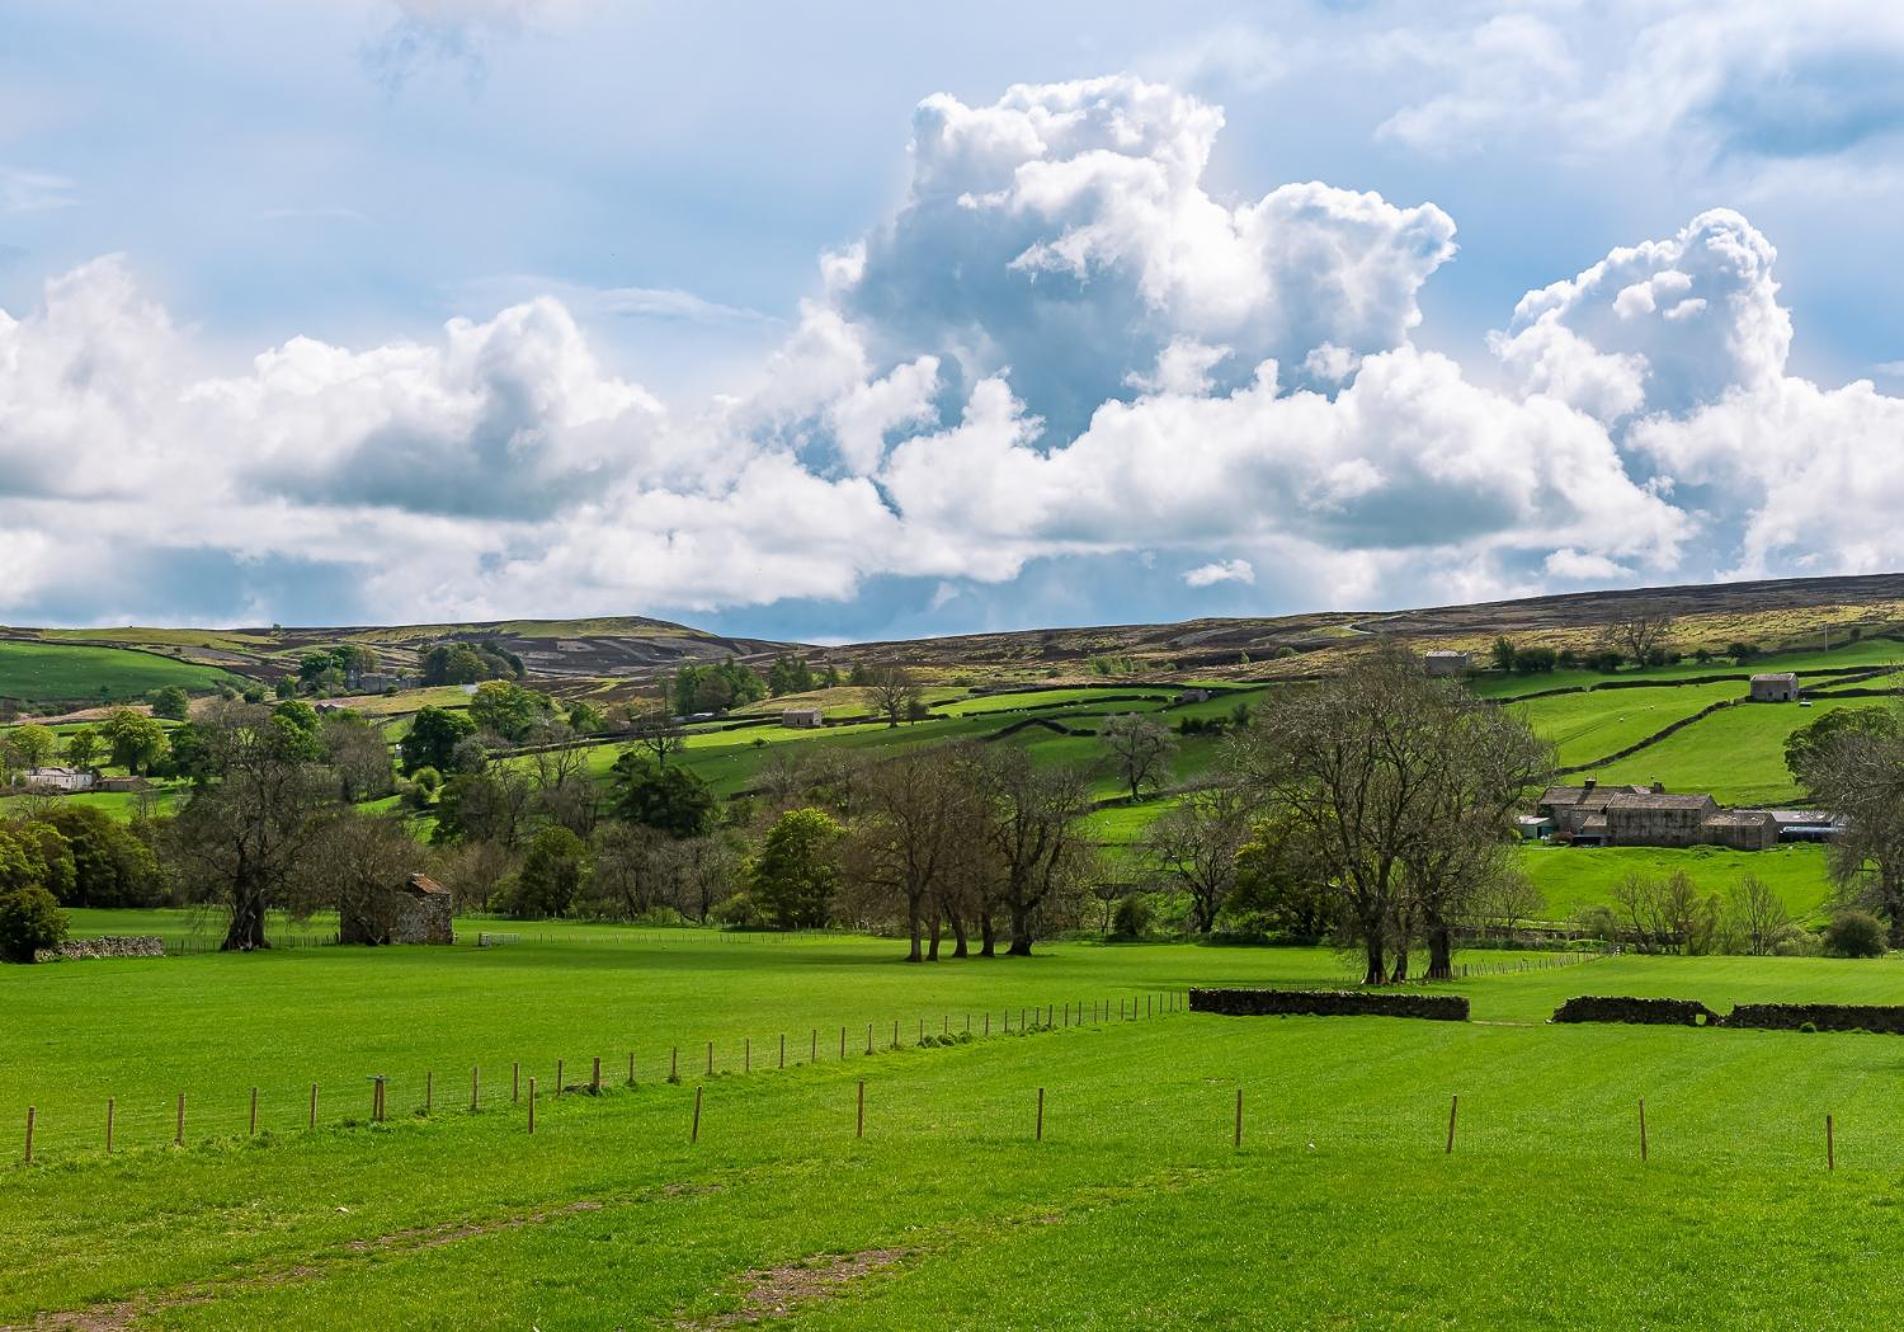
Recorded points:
(1886,1018)
(106,945)
(1329,1003)
(1650,1012)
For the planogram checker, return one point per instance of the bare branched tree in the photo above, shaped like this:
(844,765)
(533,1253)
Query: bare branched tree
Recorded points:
(1395,786)
(894,694)
(1195,846)
(1031,820)
(1641,633)
(1140,751)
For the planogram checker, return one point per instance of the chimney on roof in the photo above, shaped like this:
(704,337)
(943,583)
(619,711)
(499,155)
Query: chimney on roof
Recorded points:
(1588,784)
(1659,787)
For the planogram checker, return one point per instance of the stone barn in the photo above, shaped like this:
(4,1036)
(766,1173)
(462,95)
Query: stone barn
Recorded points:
(416,911)
(1442,662)
(1775,687)
(802,719)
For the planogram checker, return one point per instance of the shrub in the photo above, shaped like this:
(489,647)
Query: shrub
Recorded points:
(1854,934)
(30,918)
(1132,918)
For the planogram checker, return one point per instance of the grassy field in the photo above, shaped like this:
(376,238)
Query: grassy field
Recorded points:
(64,672)
(1737,754)
(1336,1211)
(1589,726)
(1871,653)
(1572,877)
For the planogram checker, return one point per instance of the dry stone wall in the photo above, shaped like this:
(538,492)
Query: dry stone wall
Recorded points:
(106,945)
(1330,1003)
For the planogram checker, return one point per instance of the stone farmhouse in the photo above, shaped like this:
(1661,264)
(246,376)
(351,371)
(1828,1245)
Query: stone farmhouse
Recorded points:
(1775,687)
(62,781)
(1595,815)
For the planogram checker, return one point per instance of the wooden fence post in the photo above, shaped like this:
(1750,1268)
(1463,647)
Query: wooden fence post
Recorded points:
(515,1090)
(988,1022)
(429,1092)
(674,1064)
(783,1049)
(1454,1105)
(31,1115)
(694,1135)
(112,1106)
(631,1068)
(561,1082)
(475,1088)
(532,1101)
(710,1059)
(813,1052)
(859,1123)
(313,1123)
(1039,1134)
(895,1043)
(1239,1118)
(595,1077)
(869,1038)
(253,1132)
(178,1136)
(747,1054)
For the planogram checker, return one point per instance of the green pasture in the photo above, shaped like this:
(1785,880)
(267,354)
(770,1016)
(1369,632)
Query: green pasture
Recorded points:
(1342,1207)
(1737,754)
(1871,652)
(1572,877)
(68,672)
(1588,726)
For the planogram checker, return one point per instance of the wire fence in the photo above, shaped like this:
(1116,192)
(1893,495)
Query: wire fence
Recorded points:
(270,1111)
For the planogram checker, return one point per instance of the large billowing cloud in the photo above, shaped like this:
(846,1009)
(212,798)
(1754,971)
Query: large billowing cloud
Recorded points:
(1062,344)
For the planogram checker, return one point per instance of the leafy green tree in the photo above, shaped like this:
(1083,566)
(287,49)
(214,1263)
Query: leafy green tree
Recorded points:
(1808,748)
(31,745)
(82,746)
(672,800)
(789,675)
(134,741)
(797,872)
(505,708)
(552,874)
(112,866)
(300,730)
(585,718)
(1503,654)
(171,703)
(286,687)
(1854,934)
(432,739)
(30,918)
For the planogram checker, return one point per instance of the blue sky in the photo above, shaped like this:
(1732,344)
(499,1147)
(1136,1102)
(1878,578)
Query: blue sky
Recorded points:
(853,321)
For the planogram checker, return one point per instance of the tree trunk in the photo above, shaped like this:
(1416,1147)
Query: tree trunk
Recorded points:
(932,952)
(987,934)
(960,948)
(912,929)
(1893,891)
(1377,971)
(1440,952)
(246,931)
(1020,932)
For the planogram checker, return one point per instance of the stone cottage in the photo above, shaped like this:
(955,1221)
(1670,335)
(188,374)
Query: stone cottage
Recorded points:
(1775,687)
(416,911)
(1594,815)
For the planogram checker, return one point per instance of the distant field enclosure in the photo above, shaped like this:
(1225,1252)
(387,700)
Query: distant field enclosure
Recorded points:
(67,672)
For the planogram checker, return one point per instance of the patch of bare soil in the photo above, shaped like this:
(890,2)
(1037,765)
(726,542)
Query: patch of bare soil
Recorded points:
(775,1291)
